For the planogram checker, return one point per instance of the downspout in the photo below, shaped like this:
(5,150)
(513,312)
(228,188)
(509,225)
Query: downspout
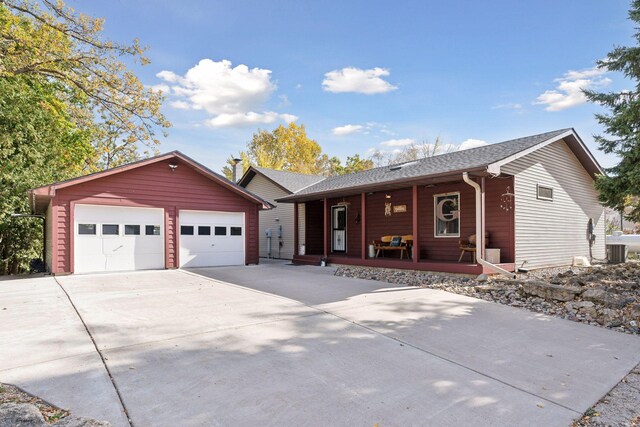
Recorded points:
(480,232)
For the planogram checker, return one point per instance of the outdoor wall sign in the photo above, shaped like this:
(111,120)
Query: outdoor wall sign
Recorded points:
(399,208)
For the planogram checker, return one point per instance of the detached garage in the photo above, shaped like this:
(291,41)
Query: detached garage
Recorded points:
(164,212)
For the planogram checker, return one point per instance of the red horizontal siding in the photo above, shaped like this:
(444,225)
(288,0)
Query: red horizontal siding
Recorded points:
(499,220)
(155,185)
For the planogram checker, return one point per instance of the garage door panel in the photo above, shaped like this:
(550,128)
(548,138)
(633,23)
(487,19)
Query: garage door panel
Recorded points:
(204,248)
(100,251)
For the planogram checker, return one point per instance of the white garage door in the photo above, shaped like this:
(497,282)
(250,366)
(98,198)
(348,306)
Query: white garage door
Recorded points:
(210,239)
(110,238)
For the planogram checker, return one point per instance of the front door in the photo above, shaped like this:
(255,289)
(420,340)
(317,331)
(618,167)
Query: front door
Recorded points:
(339,228)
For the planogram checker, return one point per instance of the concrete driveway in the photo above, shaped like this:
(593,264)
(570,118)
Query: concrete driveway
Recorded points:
(283,345)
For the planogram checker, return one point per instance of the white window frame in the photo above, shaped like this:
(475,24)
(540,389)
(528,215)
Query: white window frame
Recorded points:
(112,236)
(539,197)
(435,216)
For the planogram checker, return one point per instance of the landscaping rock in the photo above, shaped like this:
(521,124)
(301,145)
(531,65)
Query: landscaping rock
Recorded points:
(550,291)
(73,421)
(20,415)
(593,294)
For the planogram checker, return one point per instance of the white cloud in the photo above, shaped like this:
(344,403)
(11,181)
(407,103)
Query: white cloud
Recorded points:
(471,143)
(356,80)
(347,130)
(398,142)
(284,101)
(180,105)
(568,92)
(508,106)
(231,94)
(165,89)
(250,118)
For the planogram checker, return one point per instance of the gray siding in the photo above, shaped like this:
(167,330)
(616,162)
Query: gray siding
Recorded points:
(283,212)
(301,223)
(551,233)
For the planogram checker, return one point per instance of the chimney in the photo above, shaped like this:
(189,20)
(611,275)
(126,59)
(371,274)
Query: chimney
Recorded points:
(235,169)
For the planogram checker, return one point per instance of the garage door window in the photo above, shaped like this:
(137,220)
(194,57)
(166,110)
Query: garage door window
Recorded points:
(204,230)
(221,231)
(186,230)
(236,231)
(152,230)
(87,229)
(110,229)
(132,230)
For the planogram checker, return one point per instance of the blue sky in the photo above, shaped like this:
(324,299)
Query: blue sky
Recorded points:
(364,75)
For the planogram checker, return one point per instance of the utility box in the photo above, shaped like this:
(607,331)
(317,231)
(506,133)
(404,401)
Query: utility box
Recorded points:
(616,254)
(492,255)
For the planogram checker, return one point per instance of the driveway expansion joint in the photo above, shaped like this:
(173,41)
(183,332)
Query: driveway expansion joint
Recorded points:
(102,358)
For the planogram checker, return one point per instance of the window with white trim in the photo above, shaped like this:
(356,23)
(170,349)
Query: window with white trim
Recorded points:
(544,193)
(446,208)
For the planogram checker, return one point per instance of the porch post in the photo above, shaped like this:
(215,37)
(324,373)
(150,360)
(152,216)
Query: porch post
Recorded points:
(415,250)
(295,229)
(482,222)
(326,228)
(363,227)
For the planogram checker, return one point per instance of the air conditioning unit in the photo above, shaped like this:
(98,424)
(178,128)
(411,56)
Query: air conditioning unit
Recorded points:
(616,254)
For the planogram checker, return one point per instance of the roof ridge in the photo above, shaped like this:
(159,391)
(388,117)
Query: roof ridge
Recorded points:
(260,168)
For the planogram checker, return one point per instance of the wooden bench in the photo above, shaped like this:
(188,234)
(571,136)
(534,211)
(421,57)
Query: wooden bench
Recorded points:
(404,245)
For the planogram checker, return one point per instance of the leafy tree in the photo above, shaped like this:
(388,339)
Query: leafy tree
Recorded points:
(289,148)
(411,152)
(48,39)
(38,144)
(621,186)
(285,148)
(353,164)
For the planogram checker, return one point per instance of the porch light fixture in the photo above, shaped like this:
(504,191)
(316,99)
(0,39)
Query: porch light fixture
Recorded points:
(387,196)
(429,186)
(173,166)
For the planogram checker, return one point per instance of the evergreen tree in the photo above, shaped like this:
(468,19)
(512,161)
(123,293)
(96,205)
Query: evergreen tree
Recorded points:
(621,186)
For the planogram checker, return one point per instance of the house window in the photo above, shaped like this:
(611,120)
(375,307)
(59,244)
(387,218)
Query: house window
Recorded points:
(152,230)
(131,230)
(544,193)
(110,229)
(186,230)
(221,231)
(87,229)
(204,230)
(446,215)
(236,231)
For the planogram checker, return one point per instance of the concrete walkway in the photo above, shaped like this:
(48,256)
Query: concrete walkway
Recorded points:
(287,345)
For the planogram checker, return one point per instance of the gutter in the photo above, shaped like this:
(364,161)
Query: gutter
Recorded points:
(480,230)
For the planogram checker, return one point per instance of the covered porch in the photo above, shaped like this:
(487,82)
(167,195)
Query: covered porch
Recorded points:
(433,217)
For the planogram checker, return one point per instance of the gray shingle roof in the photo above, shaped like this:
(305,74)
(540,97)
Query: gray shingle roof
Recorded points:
(291,181)
(470,159)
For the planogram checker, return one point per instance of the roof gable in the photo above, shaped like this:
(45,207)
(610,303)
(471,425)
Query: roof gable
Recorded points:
(290,182)
(48,191)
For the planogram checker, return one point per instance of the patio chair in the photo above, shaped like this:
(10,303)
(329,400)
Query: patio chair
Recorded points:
(469,245)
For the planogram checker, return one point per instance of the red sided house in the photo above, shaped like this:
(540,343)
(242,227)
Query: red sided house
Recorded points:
(164,212)
(531,200)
